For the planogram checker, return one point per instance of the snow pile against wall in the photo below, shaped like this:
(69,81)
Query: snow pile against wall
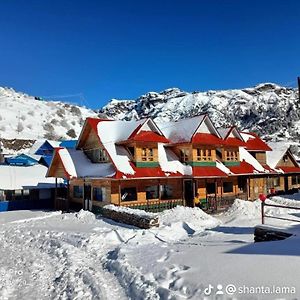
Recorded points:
(85,216)
(181,222)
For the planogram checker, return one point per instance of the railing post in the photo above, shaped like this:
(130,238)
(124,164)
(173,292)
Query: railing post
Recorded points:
(262,212)
(262,198)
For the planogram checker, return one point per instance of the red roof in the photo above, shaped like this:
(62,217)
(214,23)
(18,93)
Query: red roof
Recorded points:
(208,172)
(267,167)
(146,172)
(95,121)
(206,139)
(148,136)
(256,143)
(290,169)
(232,141)
(243,168)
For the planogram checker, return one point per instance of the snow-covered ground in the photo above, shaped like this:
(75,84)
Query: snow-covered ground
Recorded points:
(49,255)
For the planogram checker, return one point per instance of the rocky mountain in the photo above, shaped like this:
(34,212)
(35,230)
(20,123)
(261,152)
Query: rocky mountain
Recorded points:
(267,109)
(30,118)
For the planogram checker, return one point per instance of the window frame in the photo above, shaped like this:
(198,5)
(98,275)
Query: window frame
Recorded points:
(204,154)
(225,187)
(147,154)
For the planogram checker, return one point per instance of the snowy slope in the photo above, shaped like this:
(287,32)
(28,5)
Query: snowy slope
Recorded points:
(268,109)
(24,117)
(49,255)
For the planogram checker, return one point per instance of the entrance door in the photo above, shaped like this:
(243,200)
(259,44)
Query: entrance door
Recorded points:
(87,205)
(189,193)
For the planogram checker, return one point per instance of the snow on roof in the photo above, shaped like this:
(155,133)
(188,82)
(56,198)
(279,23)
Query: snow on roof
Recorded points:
(169,162)
(224,132)
(19,177)
(78,165)
(246,136)
(254,142)
(38,143)
(222,167)
(114,132)
(181,130)
(278,150)
(245,155)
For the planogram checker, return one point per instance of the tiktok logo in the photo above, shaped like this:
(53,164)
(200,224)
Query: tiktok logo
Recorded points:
(208,290)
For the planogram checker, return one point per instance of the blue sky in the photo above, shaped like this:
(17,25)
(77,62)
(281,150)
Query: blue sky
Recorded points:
(122,49)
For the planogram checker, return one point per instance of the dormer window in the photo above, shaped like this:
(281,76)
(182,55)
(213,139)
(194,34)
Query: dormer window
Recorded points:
(285,158)
(204,154)
(184,155)
(97,155)
(147,154)
(232,155)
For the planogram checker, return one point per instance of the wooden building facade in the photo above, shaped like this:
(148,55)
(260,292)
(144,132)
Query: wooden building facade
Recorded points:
(155,166)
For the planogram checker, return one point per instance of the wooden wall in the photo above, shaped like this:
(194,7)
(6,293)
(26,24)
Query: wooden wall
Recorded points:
(57,170)
(93,183)
(141,185)
(287,163)
(261,157)
(201,187)
(257,185)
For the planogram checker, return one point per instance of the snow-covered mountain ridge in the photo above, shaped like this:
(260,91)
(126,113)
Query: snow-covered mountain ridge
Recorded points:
(268,109)
(25,117)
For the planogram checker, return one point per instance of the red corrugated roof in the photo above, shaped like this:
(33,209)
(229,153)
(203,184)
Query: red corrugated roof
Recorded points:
(232,141)
(290,169)
(95,121)
(146,172)
(243,168)
(208,172)
(256,144)
(267,167)
(206,139)
(148,136)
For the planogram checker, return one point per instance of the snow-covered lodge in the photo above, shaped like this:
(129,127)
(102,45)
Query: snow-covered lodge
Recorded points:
(159,165)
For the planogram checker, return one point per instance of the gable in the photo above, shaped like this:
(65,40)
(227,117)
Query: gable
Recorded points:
(287,160)
(206,126)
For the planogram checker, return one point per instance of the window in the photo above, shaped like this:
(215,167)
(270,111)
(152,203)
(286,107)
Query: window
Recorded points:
(152,192)
(26,194)
(294,180)
(97,155)
(204,154)
(77,191)
(184,155)
(227,187)
(147,154)
(131,151)
(276,181)
(18,194)
(99,194)
(128,194)
(232,155)
(2,195)
(166,191)
(285,158)
(210,188)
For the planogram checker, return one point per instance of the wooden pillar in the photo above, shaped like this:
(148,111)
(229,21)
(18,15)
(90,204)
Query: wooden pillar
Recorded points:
(119,189)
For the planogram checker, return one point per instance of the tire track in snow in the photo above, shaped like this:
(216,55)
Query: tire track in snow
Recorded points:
(52,265)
